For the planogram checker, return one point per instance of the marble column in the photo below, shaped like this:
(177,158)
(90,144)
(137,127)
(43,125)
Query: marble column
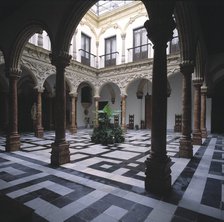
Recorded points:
(197,139)
(13,137)
(60,148)
(123,111)
(203,111)
(123,36)
(39,130)
(160,28)
(73,127)
(186,148)
(96,99)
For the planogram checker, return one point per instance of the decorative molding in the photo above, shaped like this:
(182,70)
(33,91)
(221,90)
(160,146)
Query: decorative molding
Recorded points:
(37,61)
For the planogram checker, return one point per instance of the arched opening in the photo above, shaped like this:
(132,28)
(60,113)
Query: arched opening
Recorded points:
(85,105)
(26,100)
(48,104)
(110,94)
(139,94)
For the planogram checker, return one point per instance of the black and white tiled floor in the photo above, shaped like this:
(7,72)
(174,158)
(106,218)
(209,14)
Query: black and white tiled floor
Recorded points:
(106,183)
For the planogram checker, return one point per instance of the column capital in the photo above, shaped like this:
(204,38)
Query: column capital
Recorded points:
(40,89)
(204,89)
(187,67)
(123,36)
(197,82)
(73,94)
(161,24)
(124,96)
(96,98)
(62,59)
(13,73)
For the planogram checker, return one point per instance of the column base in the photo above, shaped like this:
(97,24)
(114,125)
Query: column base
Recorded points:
(196,139)
(12,143)
(124,128)
(186,148)
(204,133)
(39,132)
(73,130)
(60,154)
(158,176)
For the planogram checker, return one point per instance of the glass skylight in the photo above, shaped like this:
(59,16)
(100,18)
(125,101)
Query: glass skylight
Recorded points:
(102,7)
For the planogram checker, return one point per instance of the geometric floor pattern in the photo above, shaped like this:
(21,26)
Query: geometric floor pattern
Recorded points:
(106,183)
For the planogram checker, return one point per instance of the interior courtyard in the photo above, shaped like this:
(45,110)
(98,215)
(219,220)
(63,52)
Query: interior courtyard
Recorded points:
(156,66)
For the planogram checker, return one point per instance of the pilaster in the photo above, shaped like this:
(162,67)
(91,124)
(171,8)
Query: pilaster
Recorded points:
(123,37)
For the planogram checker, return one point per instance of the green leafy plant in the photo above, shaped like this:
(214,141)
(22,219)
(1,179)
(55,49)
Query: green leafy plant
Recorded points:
(107,133)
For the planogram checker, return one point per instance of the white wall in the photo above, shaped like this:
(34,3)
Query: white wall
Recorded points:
(174,102)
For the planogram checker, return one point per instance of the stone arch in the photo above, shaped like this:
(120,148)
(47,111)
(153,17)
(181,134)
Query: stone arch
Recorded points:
(133,80)
(70,24)
(111,87)
(31,27)
(199,63)
(30,73)
(184,15)
(95,90)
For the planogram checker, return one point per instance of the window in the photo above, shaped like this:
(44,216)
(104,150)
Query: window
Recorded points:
(140,44)
(174,43)
(85,49)
(110,51)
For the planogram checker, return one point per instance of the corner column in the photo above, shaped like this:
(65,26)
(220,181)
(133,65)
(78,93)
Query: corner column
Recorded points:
(186,148)
(13,137)
(39,130)
(123,106)
(73,128)
(204,133)
(197,140)
(160,30)
(60,148)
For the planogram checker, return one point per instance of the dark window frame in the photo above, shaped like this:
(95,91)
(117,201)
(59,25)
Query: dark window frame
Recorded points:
(85,51)
(110,56)
(139,51)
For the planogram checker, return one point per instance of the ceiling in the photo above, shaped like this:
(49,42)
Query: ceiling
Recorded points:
(211,17)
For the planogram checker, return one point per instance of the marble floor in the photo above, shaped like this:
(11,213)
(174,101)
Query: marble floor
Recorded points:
(106,183)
